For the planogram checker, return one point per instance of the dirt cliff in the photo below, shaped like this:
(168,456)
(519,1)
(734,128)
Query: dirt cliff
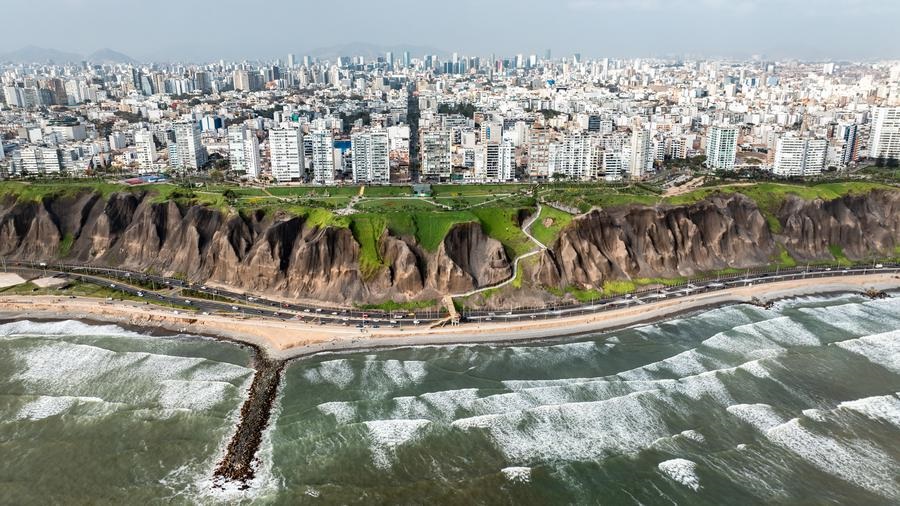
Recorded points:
(279,254)
(721,232)
(258,252)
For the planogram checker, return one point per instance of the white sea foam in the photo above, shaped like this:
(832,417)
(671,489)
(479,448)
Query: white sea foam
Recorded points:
(63,328)
(682,471)
(855,461)
(343,412)
(816,415)
(578,431)
(859,318)
(404,373)
(882,349)
(761,416)
(193,395)
(387,435)
(446,403)
(885,408)
(693,436)
(46,406)
(336,372)
(517,474)
(66,369)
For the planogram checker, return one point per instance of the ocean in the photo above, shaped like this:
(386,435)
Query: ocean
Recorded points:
(797,404)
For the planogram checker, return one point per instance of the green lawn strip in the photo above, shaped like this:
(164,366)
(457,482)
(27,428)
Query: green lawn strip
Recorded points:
(388,191)
(314,191)
(391,305)
(37,191)
(393,205)
(784,258)
(502,224)
(65,245)
(547,234)
(195,294)
(367,230)
(838,253)
(445,190)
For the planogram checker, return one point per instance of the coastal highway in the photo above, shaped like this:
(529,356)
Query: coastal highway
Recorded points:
(690,287)
(155,289)
(168,290)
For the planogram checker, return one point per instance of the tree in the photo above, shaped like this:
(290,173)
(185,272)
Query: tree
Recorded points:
(879,162)
(216,175)
(230,196)
(892,163)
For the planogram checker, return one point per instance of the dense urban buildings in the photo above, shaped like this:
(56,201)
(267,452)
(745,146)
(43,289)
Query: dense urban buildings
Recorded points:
(469,118)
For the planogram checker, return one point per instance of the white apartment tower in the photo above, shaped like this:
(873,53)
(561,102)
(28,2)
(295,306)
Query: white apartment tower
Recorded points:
(371,157)
(721,147)
(641,153)
(436,160)
(571,157)
(885,138)
(495,162)
(243,150)
(286,153)
(191,153)
(145,151)
(322,157)
(612,165)
(797,156)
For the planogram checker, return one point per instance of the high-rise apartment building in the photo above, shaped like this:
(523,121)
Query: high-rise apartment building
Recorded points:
(641,153)
(371,157)
(286,154)
(243,150)
(145,151)
(798,156)
(40,160)
(191,153)
(721,147)
(884,141)
(322,157)
(495,162)
(436,159)
(571,157)
(539,152)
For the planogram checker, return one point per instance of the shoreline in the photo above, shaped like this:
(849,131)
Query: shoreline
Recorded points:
(288,340)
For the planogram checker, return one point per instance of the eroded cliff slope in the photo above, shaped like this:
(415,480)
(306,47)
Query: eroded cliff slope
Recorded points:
(279,254)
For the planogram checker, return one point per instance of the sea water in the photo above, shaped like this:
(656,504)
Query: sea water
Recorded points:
(799,403)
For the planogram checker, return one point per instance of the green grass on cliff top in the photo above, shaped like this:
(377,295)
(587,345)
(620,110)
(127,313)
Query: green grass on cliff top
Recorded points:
(556,221)
(427,224)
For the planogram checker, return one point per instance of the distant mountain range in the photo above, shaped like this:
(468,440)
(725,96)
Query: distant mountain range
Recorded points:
(35,54)
(373,50)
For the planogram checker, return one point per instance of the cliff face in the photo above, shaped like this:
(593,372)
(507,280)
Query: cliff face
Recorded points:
(278,254)
(861,225)
(283,255)
(724,231)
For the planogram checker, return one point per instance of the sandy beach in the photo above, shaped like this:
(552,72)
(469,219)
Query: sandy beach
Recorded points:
(290,339)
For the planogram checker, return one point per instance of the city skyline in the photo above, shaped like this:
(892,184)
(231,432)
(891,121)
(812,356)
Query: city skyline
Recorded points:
(170,31)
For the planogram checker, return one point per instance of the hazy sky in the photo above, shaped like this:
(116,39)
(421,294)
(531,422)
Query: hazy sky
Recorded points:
(236,29)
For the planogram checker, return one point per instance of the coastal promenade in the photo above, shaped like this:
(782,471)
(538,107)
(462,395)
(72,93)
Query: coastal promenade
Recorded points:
(286,338)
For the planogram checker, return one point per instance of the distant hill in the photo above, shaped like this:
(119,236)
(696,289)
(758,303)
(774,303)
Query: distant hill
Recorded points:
(35,54)
(373,50)
(107,55)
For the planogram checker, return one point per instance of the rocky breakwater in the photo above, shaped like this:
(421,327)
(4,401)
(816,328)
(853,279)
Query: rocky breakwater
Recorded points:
(239,464)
